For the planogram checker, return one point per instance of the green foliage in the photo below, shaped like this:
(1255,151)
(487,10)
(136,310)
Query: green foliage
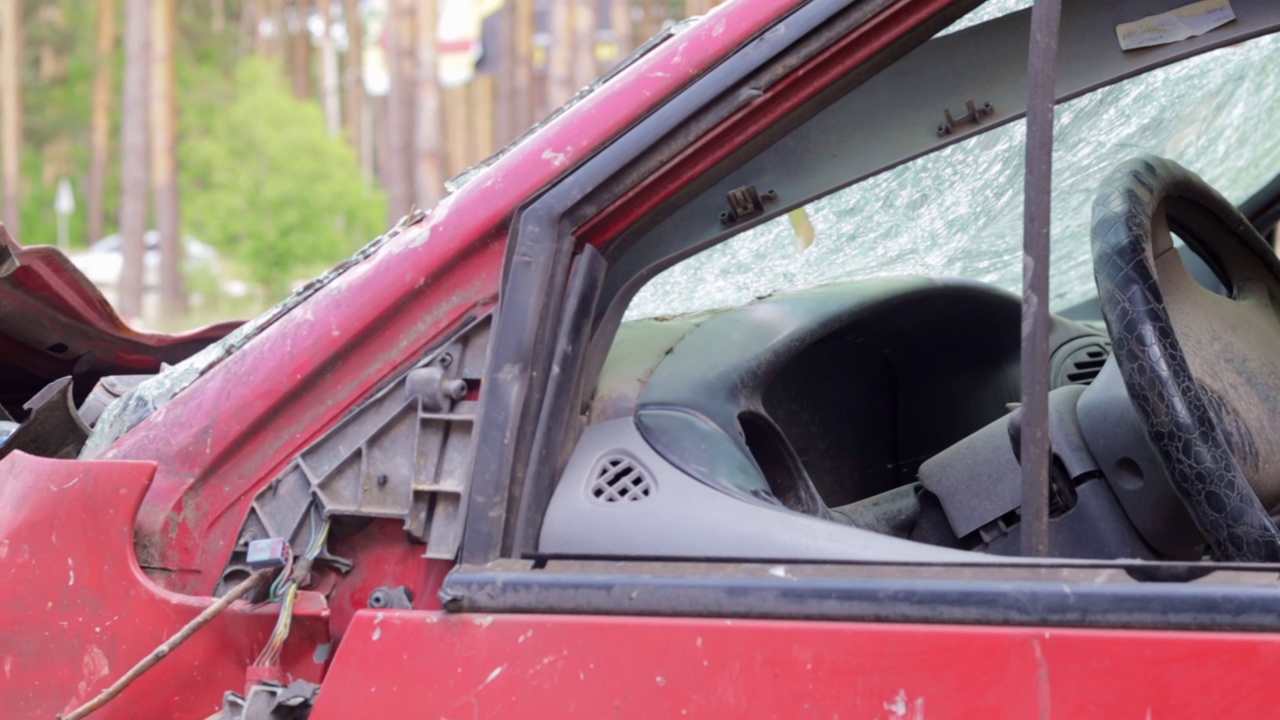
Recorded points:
(259,177)
(61,33)
(262,180)
(55,110)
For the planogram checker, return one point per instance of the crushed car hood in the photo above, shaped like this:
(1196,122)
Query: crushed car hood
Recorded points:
(55,323)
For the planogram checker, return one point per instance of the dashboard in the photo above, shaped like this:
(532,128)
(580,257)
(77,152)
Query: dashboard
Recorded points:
(750,432)
(838,393)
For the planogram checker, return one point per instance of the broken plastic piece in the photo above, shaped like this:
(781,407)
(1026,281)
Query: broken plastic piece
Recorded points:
(266,553)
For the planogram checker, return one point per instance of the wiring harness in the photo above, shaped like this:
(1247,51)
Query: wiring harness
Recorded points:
(284,590)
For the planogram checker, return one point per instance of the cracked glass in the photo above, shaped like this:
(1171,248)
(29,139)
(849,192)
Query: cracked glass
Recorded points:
(1211,113)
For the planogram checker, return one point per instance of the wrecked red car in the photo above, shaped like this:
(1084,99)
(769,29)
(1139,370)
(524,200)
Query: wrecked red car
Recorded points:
(707,399)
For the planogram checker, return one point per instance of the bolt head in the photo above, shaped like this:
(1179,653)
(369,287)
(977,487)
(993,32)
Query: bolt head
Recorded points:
(456,389)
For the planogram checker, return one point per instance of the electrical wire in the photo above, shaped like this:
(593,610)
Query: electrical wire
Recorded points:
(270,655)
(275,594)
(286,593)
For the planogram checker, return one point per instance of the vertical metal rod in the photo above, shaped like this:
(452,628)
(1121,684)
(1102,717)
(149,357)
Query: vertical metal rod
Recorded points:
(1042,70)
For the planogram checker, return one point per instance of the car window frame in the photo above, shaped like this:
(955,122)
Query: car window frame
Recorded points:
(553,293)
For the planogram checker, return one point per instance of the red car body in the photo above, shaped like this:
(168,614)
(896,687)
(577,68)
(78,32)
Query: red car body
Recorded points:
(102,559)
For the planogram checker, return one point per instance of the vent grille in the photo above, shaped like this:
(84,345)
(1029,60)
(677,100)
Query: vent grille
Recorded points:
(1084,364)
(620,479)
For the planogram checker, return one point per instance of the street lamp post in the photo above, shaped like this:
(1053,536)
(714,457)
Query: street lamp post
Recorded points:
(64,203)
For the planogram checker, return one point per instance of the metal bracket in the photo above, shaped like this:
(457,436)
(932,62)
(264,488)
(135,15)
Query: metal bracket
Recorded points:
(403,454)
(53,428)
(745,202)
(973,115)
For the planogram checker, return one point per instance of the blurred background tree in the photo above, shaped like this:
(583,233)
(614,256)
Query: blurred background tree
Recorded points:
(283,133)
(260,166)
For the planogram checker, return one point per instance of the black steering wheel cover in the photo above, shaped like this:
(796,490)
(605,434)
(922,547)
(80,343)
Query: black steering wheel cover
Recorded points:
(1201,467)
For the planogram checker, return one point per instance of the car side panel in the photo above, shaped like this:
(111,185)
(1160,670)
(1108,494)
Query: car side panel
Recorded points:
(433,664)
(76,611)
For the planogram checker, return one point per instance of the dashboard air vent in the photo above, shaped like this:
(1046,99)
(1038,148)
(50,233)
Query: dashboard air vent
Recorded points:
(620,479)
(1084,364)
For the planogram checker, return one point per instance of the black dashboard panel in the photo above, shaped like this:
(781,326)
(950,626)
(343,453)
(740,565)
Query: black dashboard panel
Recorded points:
(869,403)
(836,393)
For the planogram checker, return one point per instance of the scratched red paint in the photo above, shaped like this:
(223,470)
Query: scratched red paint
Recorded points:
(382,559)
(559,666)
(77,611)
(209,451)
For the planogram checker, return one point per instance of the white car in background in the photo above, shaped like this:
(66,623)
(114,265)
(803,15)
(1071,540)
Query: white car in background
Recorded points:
(103,261)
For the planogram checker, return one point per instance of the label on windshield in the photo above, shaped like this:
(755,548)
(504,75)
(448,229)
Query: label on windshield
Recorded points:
(1175,25)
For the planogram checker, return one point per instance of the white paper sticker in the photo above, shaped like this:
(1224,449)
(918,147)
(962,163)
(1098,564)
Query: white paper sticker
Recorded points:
(1169,27)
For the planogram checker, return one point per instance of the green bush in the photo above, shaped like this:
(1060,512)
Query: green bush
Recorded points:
(263,182)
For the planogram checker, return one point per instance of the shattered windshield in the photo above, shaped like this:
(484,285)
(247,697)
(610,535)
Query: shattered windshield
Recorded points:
(958,211)
(141,402)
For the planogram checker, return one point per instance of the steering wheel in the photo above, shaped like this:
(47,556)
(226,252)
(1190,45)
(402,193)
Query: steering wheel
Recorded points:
(1202,370)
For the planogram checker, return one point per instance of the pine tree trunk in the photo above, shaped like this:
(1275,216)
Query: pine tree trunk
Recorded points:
(654,17)
(217,16)
(273,46)
(584,43)
(299,43)
(504,107)
(11,114)
(52,63)
(353,77)
(376,134)
(560,55)
(100,120)
(481,97)
(428,170)
(134,155)
(525,103)
(398,176)
(250,16)
(623,31)
(329,72)
(164,158)
(458,128)
(514,104)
